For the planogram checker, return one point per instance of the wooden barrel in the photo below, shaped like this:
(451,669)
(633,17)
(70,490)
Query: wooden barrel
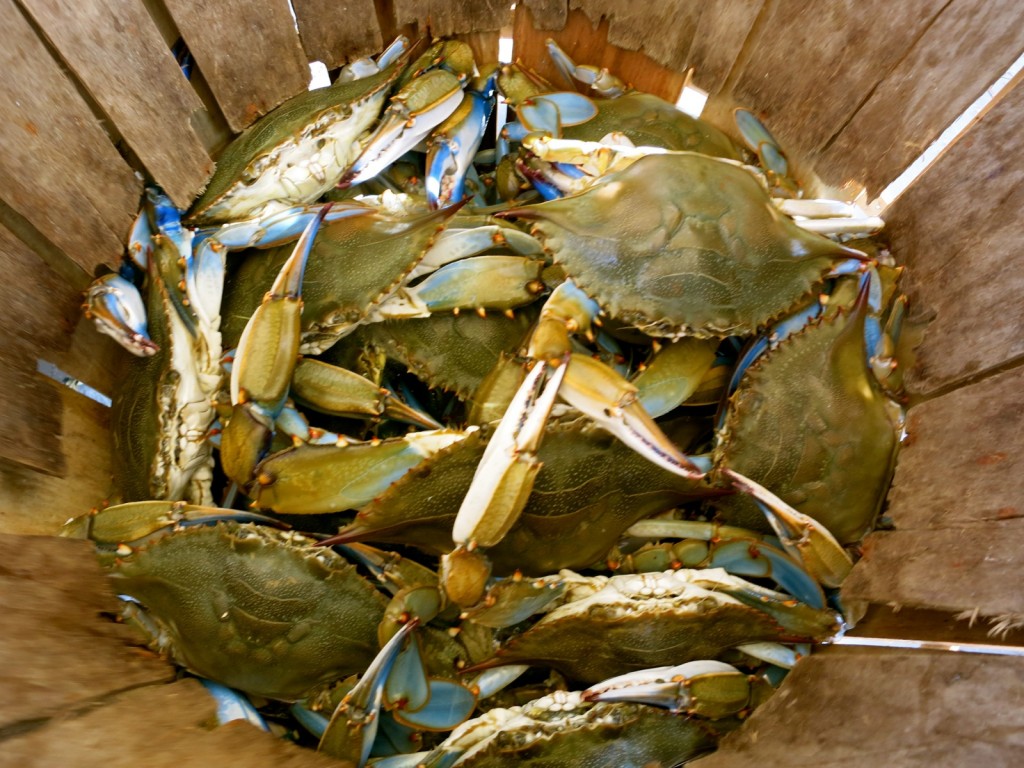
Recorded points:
(855,91)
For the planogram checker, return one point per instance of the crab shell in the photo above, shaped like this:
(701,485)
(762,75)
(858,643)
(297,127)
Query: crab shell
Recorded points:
(590,489)
(255,609)
(560,730)
(295,153)
(613,625)
(810,423)
(650,121)
(355,264)
(684,244)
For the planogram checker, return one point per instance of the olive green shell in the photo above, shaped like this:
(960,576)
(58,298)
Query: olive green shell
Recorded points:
(244,606)
(623,735)
(650,121)
(284,124)
(685,244)
(355,263)
(620,628)
(455,352)
(590,489)
(810,423)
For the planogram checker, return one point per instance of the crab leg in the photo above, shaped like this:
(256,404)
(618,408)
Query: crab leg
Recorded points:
(705,688)
(479,282)
(341,392)
(802,536)
(413,112)
(505,476)
(353,725)
(266,356)
(454,143)
(601,81)
(116,306)
(595,389)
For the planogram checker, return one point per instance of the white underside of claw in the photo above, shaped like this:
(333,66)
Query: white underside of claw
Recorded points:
(513,442)
(296,174)
(611,401)
(829,217)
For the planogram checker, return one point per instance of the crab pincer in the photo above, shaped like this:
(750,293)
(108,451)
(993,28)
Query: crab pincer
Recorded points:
(266,357)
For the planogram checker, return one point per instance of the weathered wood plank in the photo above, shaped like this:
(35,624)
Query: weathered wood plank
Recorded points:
(958,230)
(484,45)
(45,308)
(721,32)
(677,35)
(664,31)
(36,319)
(963,464)
(950,569)
(548,15)
(810,68)
(115,49)
(30,427)
(35,503)
(956,505)
(586,43)
(895,708)
(162,726)
(47,425)
(58,168)
(57,650)
(248,51)
(338,33)
(970,44)
(443,18)
(980,430)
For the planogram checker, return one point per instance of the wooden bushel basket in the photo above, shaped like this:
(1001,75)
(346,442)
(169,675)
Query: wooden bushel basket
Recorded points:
(855,91)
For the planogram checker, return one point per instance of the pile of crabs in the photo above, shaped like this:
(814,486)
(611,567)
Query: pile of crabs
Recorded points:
(552,451)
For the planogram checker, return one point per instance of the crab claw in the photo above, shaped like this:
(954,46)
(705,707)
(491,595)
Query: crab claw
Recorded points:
(602,394)
(707,688)
(414,111)
(353,725)
(454,143)
(116,307)
(802,536)
(599,79)
(264,362)
(505,475)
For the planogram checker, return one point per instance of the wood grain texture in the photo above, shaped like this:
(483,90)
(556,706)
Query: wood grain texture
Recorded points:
(587,43)
(963,465)
(970,44)
(663,30)
(32,502)
(35,320)
(336,33)
(115,49)
(677,35)
(958,229)
(30,433)
(956,506)
(951,569)
(161,726)
(57,650)
(855,707)
(484,45)
(810,67)
(442,18)
(58,168)
(548,15)
(721,33)
(248,51)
